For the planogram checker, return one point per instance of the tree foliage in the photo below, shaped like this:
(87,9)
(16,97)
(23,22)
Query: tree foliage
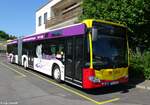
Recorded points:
(133,13)
(140,65)
(5,36)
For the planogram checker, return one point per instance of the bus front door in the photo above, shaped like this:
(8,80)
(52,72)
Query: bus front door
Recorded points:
(74,60)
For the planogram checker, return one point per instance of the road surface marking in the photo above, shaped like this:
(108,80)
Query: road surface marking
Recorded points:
(23,75)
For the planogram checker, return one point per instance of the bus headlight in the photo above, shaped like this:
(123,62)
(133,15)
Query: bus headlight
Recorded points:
(94,79)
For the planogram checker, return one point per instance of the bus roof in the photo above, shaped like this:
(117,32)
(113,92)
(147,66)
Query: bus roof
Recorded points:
(77,29)
(71,30)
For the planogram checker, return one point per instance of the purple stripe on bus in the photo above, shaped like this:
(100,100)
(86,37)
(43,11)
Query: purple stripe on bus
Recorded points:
(34,37)
(75,30)
(69,31)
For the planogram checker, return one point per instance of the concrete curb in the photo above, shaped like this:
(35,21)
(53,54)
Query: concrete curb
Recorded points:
(141,87)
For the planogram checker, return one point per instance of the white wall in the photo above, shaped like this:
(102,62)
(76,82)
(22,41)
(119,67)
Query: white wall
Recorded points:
(40,12)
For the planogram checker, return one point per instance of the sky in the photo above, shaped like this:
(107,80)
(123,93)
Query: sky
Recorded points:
(17,17)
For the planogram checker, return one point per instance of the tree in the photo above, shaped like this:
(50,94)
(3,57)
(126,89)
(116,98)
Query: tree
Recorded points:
(133,13)
(5,36)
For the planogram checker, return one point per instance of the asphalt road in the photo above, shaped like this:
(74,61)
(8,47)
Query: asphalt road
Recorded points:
(27,87)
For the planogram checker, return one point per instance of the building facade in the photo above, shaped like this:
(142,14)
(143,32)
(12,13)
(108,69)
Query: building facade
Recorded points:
(57,13)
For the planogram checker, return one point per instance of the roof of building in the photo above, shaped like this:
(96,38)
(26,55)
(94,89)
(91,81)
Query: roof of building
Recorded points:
(44,5)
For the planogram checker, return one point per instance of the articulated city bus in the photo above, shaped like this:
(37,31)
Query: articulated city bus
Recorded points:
(90,54)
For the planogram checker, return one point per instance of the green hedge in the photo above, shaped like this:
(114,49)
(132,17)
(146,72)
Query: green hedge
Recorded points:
(140,65)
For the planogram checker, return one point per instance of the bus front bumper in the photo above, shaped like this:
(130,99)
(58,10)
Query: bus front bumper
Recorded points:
(91,82)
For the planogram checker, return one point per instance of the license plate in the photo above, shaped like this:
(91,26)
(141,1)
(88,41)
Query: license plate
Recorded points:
(114,83)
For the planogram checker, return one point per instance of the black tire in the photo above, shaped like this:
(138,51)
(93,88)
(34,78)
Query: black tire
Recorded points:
(57,73)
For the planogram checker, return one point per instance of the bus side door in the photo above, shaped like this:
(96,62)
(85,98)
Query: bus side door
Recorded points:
(74,59)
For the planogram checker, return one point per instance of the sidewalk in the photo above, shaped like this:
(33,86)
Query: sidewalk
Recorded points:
(142,84)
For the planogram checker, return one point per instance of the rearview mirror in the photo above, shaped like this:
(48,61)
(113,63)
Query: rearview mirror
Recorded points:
(94,33)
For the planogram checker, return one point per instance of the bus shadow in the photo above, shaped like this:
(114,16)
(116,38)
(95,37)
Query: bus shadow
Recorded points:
(104,90)
(111,89)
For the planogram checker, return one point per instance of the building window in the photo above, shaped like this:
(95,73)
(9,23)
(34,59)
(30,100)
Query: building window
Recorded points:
(40,20)
(45,17)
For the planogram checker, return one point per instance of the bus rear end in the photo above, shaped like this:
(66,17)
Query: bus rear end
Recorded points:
(108,50)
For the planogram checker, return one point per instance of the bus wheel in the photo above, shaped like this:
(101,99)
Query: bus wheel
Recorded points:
(57,74)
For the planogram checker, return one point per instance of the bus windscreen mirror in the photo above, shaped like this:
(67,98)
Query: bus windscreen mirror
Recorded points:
(94,33)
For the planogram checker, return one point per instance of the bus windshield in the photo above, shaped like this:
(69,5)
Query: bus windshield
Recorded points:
(109,46)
